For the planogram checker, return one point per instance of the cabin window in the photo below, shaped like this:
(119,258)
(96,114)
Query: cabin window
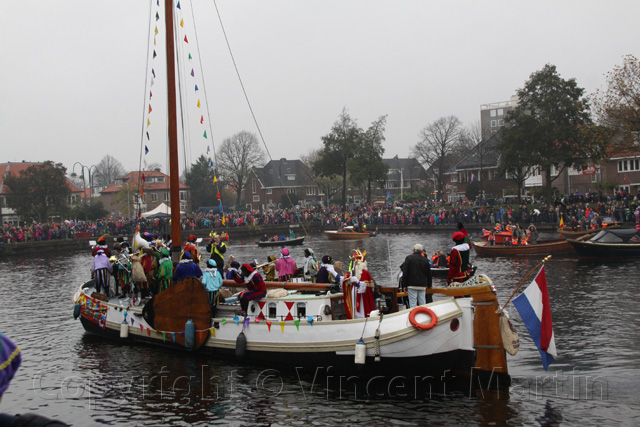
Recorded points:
(272,310)
(301,308)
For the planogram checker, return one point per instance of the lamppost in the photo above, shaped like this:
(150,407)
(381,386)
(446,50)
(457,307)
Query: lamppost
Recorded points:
(73,175)
(401,170)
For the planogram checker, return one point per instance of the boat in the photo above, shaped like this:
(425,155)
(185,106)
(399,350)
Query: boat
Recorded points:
(347,233)
(568,233)
(609,243)
(287,242)
(306,326)
(541,247)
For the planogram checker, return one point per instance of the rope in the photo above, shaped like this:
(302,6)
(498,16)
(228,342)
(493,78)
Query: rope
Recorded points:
(246,97)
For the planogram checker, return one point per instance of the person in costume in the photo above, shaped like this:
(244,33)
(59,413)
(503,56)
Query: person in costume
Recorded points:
(270,269)
(100,271)
(459,267)
(416,276)
(327,272)
(123,271)
(212,281)
(286,266)
(233,270)
(102,244)
(358,290)
(186,268)
(309,265)
(256,288)
(10,360)
(165,269)
(191,246)
(217,249)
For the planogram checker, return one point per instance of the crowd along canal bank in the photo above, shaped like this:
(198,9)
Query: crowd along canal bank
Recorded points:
(255,232)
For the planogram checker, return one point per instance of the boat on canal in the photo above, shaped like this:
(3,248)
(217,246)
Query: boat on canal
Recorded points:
(569,233)
(347,233)
(610,243)
(287,242)
(306,324)
(541,247)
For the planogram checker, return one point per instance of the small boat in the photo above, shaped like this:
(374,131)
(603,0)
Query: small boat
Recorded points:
(347,233)
(439,272)
(617,242)
(288,242)
(541,247)
(568,233)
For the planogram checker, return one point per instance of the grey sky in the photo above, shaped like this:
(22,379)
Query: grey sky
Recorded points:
(72,79)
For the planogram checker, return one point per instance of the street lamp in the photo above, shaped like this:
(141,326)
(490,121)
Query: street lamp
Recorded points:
(401,170)
(73,175)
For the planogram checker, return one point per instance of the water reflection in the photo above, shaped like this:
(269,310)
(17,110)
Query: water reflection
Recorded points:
(84,379)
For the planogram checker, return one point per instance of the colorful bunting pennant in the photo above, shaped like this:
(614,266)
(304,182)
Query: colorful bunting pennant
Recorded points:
(173,335)
(237,320)
(223,321)
(268,325)
(282,326)
(218,195)
(212,331)
(153,72)
(185,39)
(150,110)
(146,149)
(201,119)
(196,85)
(205,134)
(310,320)
(297,323)
(246,322)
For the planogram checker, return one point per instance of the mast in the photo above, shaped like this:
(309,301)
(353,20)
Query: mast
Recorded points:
(174,170)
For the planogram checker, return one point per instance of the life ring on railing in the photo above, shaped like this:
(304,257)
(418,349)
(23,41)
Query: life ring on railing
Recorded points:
(422,326)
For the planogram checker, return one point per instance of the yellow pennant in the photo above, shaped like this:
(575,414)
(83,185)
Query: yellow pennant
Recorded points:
(198,103)
(215,179)
(213,332)
(148,122)
(282,326)
(156,30)
(182,22)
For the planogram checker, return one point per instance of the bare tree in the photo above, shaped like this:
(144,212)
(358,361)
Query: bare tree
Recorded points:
(109,169)
(472,138)
(438,145)
(236,157)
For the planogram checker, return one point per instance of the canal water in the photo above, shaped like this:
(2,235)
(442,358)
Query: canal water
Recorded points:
(85,380)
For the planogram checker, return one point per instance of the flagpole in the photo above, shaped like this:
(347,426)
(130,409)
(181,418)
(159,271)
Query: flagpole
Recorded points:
(525,278)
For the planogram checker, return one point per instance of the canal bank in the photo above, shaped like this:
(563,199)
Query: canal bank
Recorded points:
(75,244)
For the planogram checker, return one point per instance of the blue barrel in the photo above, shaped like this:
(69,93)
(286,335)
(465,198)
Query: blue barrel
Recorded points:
(189,335)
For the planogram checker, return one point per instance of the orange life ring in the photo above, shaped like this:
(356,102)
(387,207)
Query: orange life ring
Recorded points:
(422,326)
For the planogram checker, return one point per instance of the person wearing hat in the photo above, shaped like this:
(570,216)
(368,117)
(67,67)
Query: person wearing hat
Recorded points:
(459,268)
(416,276)
(256,288)
(309,265)
(100,271)
(102,244)
(233,270)
(327,272)
(285,266)
(186,268)
(10,360)
(212,282)
(270,269)
(165,269)
(191,247)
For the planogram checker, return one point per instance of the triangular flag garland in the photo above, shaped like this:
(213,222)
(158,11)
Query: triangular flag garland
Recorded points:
(297,323)
(282,326)
(268,325)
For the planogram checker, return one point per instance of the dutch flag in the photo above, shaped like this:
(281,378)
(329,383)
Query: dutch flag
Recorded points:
(534,309)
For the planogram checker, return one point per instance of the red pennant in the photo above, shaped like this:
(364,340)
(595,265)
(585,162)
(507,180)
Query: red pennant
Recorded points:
(218,195)
(201,335)
(268,325)
(143,178)
(148,331)
(201,119)
(142,192)
(149,108)
(185,39)
(150,94)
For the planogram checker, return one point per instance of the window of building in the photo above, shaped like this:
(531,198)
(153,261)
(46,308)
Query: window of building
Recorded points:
(454,178)
(268,191)
(311,191)
(628,165)
(159,179)
(494,123)
(291,177)
(166,197)
(183,195)
(154,197)
(253,186)
(256,198)
(301,309)
(500,112)
(501,122)
(493,113)
(291,190)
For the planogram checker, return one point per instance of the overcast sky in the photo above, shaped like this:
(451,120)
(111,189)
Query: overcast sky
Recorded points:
(73,72)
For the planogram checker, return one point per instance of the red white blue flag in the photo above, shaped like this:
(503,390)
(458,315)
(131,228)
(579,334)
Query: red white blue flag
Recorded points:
(535,311)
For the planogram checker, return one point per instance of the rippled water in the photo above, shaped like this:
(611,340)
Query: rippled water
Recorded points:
(82,379)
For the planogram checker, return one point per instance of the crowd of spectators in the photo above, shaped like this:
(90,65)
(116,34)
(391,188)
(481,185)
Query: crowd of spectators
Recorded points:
(622,208)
